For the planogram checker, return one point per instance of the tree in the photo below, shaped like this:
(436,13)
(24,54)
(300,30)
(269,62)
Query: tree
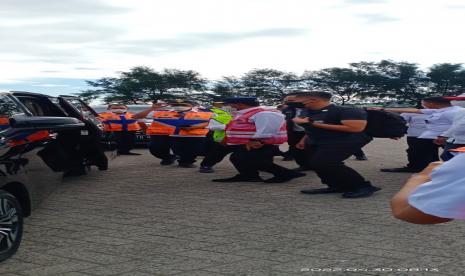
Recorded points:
(447,78)
(389,80)
(143,84)
(269,85)
(342,82)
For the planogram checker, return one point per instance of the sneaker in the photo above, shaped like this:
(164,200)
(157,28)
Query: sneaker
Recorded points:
(363,192)
(240,178)
(320,191)
(284,178)
(205,169)
(401,170)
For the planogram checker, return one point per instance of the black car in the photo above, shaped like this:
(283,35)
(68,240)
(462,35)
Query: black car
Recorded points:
(32,162)
(85,145)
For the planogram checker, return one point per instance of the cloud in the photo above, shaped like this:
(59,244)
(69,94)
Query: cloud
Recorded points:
(191,41)
(55,8)
(359,2)
(377,18)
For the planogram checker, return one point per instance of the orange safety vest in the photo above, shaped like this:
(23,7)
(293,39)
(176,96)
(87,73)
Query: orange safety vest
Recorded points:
(462,149)
(171,123)
(114,122)
(4,123)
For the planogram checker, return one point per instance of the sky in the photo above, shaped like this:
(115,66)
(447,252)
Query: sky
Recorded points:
(53,46)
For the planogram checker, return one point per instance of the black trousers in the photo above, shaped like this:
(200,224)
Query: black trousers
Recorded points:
(421,152)
(328,163)
(186,149)
(125,141)
(215,154)
(300,156)
(249,163)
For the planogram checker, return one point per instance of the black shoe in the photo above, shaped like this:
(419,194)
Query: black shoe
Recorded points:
(363,192)
(284,178)
(206,169)
(401,170)
(240,178)
(361,158)
(320,191)
(302,169)
(167,162)
(187,165)
(75,172)
(288,158)
(128,153)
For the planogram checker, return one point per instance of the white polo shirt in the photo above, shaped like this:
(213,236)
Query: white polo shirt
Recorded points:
(416,123)
(438,121)
(444,195)
(456,132)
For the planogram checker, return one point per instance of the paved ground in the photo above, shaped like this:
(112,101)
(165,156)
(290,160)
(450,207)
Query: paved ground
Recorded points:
(141,219)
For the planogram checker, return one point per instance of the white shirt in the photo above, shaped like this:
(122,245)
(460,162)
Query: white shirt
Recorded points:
(444,195)
(456,132)
(297,127)
(416,123)
(438,121)
(267,123)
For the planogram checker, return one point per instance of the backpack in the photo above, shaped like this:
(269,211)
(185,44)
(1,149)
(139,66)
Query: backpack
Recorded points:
(382,124)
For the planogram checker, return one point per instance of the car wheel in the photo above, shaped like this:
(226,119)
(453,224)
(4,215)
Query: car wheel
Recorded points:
(11,225)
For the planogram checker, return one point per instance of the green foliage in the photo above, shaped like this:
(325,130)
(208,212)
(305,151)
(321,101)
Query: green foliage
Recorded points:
(143,84)
(370,82)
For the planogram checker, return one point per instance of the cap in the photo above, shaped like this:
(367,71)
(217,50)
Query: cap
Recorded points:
(456,98)
(241,100)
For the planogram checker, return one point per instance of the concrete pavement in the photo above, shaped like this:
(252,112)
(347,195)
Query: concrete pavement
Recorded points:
(140,218)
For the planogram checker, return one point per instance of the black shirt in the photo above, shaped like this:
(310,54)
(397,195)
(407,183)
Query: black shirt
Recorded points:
(333,115)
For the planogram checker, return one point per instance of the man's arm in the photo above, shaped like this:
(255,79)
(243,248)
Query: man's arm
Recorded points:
(145,113)
(398,110)
(400,207)
(347,125)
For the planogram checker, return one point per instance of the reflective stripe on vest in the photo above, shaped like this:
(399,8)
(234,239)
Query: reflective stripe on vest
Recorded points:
(171,123)
(240,130)
(115,122)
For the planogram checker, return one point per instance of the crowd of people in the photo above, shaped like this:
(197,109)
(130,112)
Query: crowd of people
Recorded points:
(321,136)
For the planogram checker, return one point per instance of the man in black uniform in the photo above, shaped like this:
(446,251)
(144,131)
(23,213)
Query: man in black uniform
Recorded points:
(334,133)
(295,132)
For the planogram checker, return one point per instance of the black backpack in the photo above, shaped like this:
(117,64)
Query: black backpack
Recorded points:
(382,124)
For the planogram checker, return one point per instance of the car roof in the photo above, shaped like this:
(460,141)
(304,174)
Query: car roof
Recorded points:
(32,94)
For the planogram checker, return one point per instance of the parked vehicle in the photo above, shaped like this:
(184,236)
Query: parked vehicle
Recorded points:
(83,146)
(32,162)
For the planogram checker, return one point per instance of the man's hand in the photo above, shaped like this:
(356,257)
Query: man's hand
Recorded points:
(299,120)
(301,144)
(441,140)
(253,144)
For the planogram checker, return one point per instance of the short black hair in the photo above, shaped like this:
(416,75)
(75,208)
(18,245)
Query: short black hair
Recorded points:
(318,94)
(437,99)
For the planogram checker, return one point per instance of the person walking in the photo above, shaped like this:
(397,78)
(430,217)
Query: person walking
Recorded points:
(333,134)
(253,135)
